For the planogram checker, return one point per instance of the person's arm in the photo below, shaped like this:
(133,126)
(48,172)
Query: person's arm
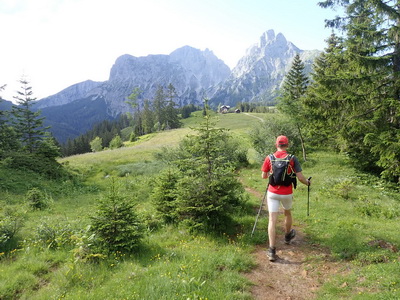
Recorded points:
(299,174)
(303,179)
(265,168)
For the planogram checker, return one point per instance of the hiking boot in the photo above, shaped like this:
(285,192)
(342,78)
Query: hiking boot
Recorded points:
(290,236)
(272,254)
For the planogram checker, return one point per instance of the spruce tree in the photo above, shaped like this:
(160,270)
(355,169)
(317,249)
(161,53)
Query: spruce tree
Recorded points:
(49,147)
(187,110)
(324,111)
(147,117)
(293,90)
(206,188)
(164,194)
(27,123)
(159,104)
(115,223)
(68,148)
(171,112)
(366,84)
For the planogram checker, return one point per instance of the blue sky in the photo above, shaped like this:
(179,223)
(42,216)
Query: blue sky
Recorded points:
(57,43)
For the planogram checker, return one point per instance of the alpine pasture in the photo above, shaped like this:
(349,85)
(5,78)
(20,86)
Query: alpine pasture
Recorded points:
(354,217)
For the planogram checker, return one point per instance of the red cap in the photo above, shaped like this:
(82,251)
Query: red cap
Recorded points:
(282,140)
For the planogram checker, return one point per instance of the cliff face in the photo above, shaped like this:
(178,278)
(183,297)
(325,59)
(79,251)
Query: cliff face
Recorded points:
(74,92)
(192,72)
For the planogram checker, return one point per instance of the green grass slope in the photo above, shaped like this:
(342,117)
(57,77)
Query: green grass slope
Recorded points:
(354,215)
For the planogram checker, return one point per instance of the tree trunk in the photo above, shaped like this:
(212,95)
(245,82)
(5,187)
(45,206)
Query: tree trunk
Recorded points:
(302,143)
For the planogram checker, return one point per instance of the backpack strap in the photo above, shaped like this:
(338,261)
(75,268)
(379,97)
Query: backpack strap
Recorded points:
(289,157)
(293,174)
(271,159)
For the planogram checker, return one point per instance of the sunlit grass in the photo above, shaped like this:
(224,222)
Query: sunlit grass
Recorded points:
(103,163)
(353,215)
(171,265)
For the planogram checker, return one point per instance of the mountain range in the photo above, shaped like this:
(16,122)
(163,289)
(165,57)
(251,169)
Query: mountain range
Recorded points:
(195,74)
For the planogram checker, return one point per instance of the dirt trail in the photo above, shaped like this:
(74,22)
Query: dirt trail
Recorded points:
(301,267)
(261,119)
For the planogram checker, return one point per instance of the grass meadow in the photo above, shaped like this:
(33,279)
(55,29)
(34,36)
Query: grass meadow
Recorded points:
(353,215)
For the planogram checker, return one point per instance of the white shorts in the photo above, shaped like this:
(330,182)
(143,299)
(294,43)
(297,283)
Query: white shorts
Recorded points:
(274,200)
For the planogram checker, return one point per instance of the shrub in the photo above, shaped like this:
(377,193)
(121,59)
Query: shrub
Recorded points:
(48,147)
(86,246)
(344,188)
(11,221)
(264,136)
(133,137)
(115,223)
(47,166)
(164,195)
(37,199)
(53,236)
(96,144)
(372,208)
(369,257)
(116,142)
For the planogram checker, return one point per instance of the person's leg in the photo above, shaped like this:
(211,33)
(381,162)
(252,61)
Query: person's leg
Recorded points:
(287,202)
(287,206)
(273,209)
(273,216)
(288,220)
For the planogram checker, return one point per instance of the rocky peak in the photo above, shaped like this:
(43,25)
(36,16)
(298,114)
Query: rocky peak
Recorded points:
(258,75)
(191,71)
(203,65)
(268,54)
(266,38)
(126,66)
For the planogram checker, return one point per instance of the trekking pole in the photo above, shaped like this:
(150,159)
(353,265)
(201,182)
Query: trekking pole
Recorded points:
(259,211)
(308,201)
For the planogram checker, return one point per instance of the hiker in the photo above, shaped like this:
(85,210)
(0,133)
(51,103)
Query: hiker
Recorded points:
(280,191)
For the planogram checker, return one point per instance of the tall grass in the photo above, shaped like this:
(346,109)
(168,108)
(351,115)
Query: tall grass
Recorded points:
(356,216)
